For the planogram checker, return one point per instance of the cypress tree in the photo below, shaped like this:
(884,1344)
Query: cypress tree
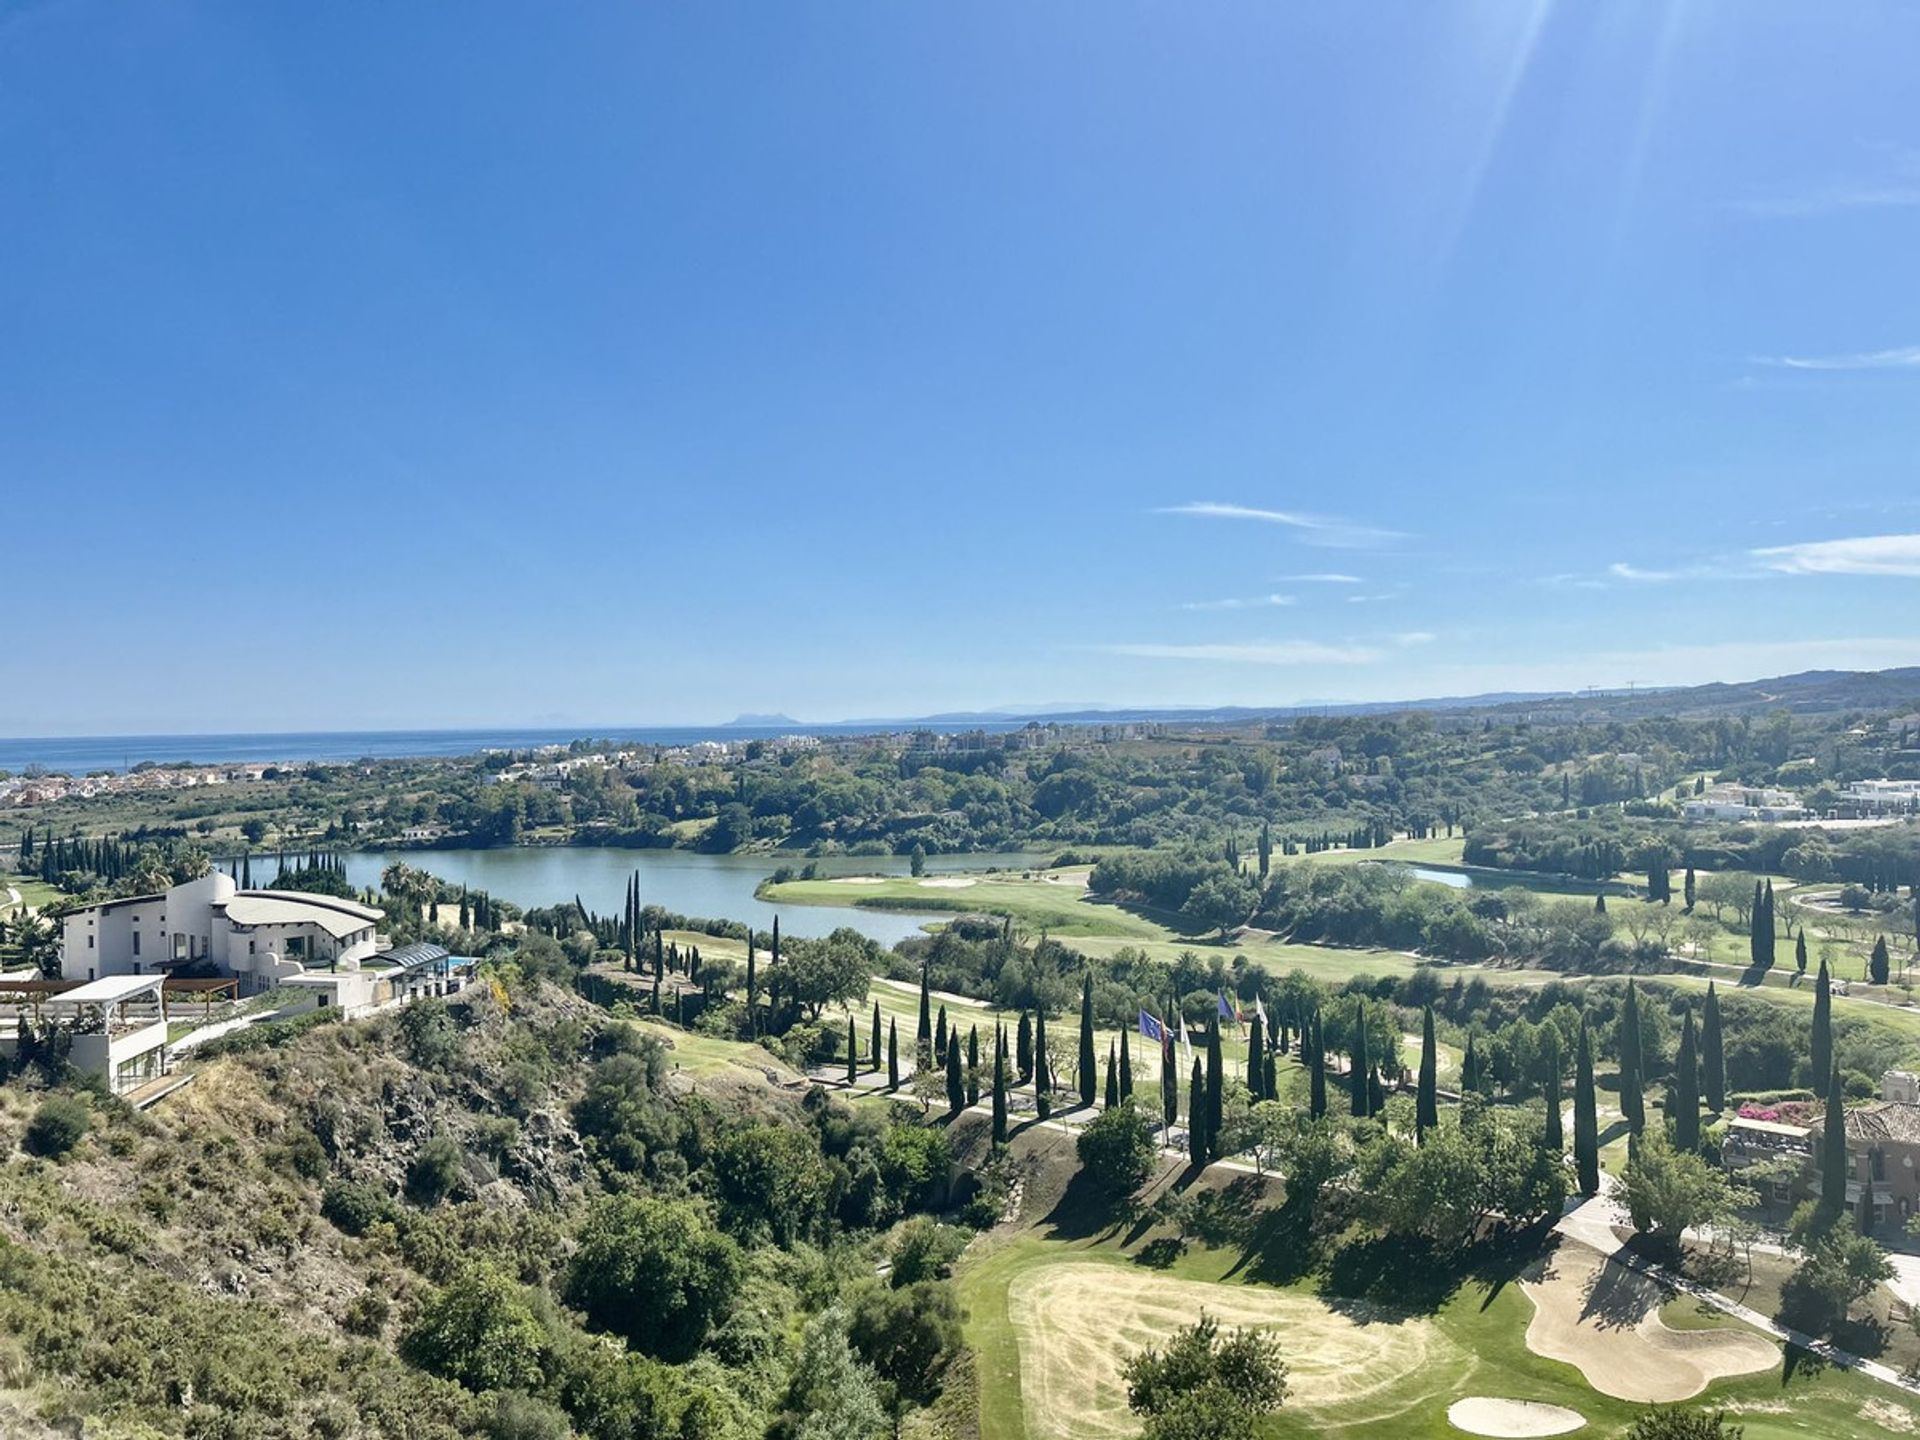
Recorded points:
(1360,1102)
(1820,1050)
(1216,1087)
(753,990)
(1256,1053)
(1089,1061)
(1686,1088)
(1689,893)
(1470,1068)
(1113,1077)
(1268,1079)
(1316,1067)
(1713,1054)
(1553,1137)
(1769,930)
(853,1055)
(893,1054)
(1600,903)
(1023,1048)
(1877,965)
(1169,1087)
(873,1043)
(1000,1086)
(1800,951)
(956,1078)
(1833,1151)
(923,1037)
(940,1033)
(1633,1103)
(1042,1069)
(1586,1120)
(1126,1067)
(1426,1102)
(973,1065)
(1197,1115)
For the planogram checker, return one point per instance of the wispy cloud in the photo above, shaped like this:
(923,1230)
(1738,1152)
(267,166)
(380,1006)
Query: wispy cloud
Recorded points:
(1900,357)
(1327,530)
(1256,602)
(1895,186)
(1272,652)
(1415,637)
(1373,599)
(1321,579)
(1621,570)
(1863,555)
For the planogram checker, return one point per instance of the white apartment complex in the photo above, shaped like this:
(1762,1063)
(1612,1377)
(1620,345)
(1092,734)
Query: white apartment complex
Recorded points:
(260,937)
(1744,802)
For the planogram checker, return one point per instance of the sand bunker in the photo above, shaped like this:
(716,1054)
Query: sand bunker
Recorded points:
(1483,1415)
(1604,1319)
(858,880)
(948,882)
(1079,1321)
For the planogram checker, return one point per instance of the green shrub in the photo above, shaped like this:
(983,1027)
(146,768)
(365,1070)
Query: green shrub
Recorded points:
(480,1331)
(517,1416)
(436,1170)
(57,1126)
(354,1206)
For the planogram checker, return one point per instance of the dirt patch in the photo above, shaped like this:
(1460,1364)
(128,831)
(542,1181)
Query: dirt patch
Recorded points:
(1604,1319)
(948,882)
(1079,1321)
(1889,1416)
(1484,1415)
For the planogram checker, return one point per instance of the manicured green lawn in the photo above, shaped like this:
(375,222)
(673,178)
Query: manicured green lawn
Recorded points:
(1483,1330)
(1053,900)
(34,893)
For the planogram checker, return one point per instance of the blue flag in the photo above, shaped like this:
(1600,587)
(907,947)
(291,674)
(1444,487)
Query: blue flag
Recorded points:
(1227,1012)
(1152,1029)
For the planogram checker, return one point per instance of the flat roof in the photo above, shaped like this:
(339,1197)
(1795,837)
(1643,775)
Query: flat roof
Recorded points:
(109,990)
(1772,1127)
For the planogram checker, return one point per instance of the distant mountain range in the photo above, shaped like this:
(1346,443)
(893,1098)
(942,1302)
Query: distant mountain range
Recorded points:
(1809,692)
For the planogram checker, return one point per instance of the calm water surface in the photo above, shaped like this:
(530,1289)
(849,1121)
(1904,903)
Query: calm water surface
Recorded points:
(713,886)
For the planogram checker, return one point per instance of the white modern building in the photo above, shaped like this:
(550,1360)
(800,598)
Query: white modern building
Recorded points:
(116,1027)
(1744,802)
(260,937)
(1881,797)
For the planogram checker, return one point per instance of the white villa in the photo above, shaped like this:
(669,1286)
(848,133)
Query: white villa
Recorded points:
(1744,802)
(259,937)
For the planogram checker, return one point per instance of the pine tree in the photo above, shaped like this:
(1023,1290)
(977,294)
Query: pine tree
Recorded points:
(1426,1101)
(1126,1067)
(853,1055)
(1586,1120)
(1089,1061)
(1713,1055)
(956,1078)
(973,1065)
(1113,1077)
(1877,965)
(1686,1088)
(1000,1085)
(1552,1137)
(1360,1102)
(1023,1048)
(1042,1068)
(1820,1051)
(1197,1115)
(873,1044)
(1216,1088)
(893,1054)
(1833,1150)
(1256,1053)
(1633,1103)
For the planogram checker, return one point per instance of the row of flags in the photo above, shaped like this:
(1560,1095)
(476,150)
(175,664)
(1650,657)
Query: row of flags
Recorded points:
(1155,1029)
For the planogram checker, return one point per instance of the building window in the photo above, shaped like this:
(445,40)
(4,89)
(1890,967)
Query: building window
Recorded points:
(136,942)
(89,942)
(250,945)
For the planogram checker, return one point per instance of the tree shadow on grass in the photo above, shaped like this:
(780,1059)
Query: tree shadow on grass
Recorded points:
(1801,1363)
(1412,1275)
(1085,1211)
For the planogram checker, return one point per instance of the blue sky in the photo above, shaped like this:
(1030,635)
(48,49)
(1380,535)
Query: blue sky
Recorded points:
(375,366)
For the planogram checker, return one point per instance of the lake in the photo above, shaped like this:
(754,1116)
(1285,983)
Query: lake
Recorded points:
(716,887)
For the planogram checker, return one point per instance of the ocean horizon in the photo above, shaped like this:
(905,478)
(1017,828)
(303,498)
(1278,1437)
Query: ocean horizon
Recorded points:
(86,754)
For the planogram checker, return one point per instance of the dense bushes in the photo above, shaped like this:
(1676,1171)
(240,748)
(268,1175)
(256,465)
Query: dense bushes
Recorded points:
(59,1124)
(655,1271)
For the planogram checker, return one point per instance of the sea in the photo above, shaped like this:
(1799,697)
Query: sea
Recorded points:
(86,754)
